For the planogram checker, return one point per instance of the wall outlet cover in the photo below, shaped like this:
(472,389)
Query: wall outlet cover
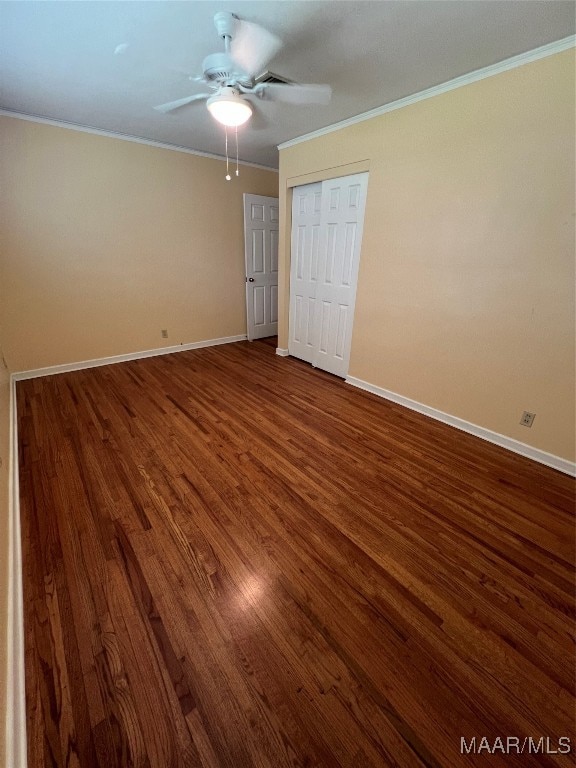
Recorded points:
(527,419)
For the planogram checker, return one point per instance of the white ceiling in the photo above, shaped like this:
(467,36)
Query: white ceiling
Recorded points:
(57,59)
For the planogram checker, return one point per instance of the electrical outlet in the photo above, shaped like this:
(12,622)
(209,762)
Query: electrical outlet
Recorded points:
(164,334)
(527,419)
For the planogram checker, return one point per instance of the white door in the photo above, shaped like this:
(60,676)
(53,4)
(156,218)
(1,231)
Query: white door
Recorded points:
(305,243)
(326,240)
(261,251)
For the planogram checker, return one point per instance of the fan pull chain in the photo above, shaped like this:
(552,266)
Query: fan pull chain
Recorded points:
(237,171)
(228,177)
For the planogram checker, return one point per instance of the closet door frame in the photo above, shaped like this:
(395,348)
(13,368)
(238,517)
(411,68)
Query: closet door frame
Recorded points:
(325,252)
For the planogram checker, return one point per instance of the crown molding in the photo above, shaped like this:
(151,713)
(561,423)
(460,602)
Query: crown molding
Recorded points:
(450,85)
(124,137)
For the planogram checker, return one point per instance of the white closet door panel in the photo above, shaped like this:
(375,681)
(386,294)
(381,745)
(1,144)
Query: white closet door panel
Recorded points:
(324,341)
(342,215)
(342,313)
(327,220)
(314,247)
(305,244)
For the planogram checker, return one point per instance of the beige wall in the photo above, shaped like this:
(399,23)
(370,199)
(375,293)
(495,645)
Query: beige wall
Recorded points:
(105,242)
(465,298)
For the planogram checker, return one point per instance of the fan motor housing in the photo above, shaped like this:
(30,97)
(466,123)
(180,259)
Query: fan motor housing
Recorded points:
(219,68)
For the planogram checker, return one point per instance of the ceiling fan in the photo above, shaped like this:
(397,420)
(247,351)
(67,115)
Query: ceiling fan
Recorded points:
(233,75)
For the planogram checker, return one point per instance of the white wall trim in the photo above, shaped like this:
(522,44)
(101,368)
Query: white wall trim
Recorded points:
(458,82)
(124,137)
(569,468)
(16,751)
(282,352)
(79,366)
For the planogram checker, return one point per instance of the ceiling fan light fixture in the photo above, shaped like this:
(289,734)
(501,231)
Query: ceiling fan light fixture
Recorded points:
(229,108)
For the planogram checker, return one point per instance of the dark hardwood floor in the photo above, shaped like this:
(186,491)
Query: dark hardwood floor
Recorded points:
(231,559)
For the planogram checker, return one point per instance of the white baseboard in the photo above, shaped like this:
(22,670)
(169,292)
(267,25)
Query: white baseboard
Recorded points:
(282,352)
(568,467)
(65,367)
(16,751)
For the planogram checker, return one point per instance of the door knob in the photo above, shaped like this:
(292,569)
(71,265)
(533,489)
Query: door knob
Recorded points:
(250,279)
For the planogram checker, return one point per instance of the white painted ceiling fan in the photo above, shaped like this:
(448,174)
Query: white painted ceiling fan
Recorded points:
(237,75)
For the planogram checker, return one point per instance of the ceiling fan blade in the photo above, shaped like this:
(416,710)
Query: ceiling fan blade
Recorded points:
(186,75)
(297,93)
(252,47)
(172,105)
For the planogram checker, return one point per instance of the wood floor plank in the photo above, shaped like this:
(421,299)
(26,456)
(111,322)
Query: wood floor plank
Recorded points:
(234,560)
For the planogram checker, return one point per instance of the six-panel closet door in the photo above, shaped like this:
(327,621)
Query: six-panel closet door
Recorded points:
(327,220)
